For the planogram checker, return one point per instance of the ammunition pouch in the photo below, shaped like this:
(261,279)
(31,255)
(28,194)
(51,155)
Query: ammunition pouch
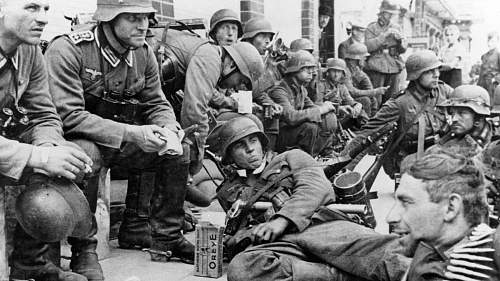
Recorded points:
(119,107)
(13,118)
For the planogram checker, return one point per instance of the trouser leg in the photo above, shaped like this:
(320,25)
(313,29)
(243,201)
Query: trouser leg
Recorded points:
(392,80)
(303,136)
(30,260)
(366,103)
(281,261)
(354,249)
(167,213)
(378,80)
(135,229)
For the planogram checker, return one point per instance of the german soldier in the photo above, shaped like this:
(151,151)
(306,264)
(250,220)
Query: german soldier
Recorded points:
(302,123)
(292,232)
(453,56)
(489,74)
(385,42)
(105,82)
(33,150)
(357,30)
(357,81)
(225,27)
(416,109)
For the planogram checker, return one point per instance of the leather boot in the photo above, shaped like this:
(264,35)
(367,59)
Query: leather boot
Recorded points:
(167,214)
(30,260)
(135,230)
(84,259)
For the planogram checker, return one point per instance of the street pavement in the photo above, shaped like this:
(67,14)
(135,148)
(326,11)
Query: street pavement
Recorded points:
(134,265)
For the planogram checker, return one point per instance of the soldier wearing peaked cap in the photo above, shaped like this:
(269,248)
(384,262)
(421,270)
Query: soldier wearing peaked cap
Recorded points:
(105,84)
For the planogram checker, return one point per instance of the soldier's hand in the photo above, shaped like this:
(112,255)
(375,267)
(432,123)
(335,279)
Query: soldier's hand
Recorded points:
(60,161)
(326,107)
(144,136)
(269,231)
(381,90)
(346,110)
(277,109)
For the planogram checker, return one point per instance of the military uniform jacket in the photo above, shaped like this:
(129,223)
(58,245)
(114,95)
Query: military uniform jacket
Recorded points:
(358,83)
(297,106)
(32,94)
(334,92)
(475,257)
(384,52)
(76,64)
(307,187)
(342,50)
(490,69)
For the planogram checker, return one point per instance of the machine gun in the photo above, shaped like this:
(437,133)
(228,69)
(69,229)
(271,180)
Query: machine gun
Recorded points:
(373,143)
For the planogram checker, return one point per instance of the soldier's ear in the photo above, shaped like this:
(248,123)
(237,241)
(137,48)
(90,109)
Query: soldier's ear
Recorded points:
(453,208)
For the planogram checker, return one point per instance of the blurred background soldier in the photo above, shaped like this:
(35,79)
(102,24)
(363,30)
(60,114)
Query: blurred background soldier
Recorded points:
(385,42)
(439,213)
(302,44)
(415,110)
(349,112)
(357,81)
(357,30)
(104,80)
(303,124)
(489,73)
(225,27)
(32,147)
(452,55)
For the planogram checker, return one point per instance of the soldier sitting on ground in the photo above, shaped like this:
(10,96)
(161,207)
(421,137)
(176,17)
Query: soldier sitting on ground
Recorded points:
(439,212)
(303,124)
(350,112)
(357,81)
(34,152)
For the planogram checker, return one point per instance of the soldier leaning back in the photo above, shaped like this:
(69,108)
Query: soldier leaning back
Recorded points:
(106,86)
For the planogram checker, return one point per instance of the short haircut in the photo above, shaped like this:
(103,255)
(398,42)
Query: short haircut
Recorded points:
(445,171)
(493,34)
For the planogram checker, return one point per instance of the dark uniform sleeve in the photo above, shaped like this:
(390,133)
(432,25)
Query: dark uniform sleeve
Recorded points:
(342,50)
(158,110)
(291,115)
(346,97)
(45,125)
(64,61)
(310,191)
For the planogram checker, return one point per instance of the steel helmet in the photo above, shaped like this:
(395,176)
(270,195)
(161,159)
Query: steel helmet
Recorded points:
(228,132)
(255,26)
(389,6)
(299,59)
(301,44)
(248,61)
(471,96)
(419,62)
(337,64)
(224,15)
(357,51)
(109,9)
(52,209)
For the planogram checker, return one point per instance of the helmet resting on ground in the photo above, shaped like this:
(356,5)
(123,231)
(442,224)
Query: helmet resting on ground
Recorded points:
(299,59)
(255,26)
(229,132)
(109,9)
(51,209)
(420,62)
(471,96)
(224,15)
(248,61)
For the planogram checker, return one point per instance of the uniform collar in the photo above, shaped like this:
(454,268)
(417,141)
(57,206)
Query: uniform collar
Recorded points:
(244,173)
(422,94)
(14,59)
(111,49)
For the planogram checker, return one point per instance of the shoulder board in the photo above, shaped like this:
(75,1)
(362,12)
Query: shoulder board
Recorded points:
(80,36)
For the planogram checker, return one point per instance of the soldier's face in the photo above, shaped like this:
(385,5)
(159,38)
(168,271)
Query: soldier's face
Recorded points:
(261,40)
(335,75)
(131,28)
(414,216)
(429,79)
(461,120)
(226,33)
(493,43)
(247,153)
(23,21)
(358,34)
(305,74)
